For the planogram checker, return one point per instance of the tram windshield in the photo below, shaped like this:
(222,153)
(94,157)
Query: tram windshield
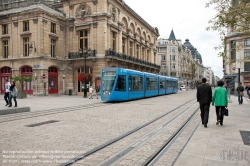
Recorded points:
(108,80)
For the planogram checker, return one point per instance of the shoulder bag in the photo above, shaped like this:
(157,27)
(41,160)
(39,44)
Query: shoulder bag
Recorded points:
(226,111)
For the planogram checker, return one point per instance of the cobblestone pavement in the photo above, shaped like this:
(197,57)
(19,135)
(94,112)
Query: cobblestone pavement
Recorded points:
(77,131)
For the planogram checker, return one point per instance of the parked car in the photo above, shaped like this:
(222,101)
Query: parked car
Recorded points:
(183,87)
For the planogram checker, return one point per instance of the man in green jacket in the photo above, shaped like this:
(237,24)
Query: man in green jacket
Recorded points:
(220,101)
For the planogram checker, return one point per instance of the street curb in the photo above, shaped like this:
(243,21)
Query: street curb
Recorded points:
(14,110)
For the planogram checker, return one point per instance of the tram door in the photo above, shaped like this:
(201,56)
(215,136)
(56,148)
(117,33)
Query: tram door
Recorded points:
(5,73)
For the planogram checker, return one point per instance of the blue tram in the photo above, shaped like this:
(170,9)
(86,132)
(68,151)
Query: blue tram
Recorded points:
(118,84)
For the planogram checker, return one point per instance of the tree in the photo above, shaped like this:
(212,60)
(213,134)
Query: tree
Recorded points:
(19,80)
(231,14)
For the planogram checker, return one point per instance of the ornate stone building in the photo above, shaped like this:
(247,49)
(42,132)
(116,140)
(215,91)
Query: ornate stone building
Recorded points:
(179,60)
(59,40)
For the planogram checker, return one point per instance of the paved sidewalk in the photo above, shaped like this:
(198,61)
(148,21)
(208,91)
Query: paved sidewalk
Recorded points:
(220,145)
(39,103)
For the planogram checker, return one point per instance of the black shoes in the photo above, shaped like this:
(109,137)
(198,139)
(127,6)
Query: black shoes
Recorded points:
(10,105)
(205,126)
(7,104)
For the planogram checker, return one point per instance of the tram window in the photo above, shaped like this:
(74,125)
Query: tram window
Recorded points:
(121,83)
(154,82)
(137,83)
(162,85)
(108,79)
(169,84)
(148,83)
(175,84)
(130,83)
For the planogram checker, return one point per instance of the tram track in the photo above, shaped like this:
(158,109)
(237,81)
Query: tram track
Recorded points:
(26,115)
(115,140)
(146,141)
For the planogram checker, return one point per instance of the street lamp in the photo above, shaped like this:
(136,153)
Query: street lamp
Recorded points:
(238,66)
(84,53)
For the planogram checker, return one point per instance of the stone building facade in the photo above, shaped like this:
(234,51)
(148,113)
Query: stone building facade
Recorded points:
(59,40)
(237,57)
(177,60)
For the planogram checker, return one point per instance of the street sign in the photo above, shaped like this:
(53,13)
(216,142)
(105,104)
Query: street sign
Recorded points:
(44,76)
(36,66)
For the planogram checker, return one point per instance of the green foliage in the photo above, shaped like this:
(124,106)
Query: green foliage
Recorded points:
(231,14)
(21,79)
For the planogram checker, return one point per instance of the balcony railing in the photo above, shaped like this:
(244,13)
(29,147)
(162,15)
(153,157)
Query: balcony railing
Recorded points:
(78,55)
(128,58)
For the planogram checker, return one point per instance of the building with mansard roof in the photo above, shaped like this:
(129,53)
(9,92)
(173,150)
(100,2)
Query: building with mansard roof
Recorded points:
(55,41)
(195,53)
(177,60)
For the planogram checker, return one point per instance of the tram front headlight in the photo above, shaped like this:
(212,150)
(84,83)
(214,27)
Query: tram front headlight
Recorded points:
(109,93)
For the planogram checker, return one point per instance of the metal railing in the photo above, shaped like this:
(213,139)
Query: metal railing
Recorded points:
(128,58)
(79,55)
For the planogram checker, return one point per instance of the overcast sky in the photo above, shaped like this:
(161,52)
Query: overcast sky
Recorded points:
(188,19)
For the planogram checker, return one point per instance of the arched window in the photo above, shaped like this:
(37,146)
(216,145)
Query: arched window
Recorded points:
(27,86)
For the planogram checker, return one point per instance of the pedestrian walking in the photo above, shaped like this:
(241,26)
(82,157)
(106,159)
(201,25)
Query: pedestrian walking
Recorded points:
(13,94)
(248,90)
(90,92)
(97,91)
(220,101)
(204,97)
(240,90)
(7,90)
